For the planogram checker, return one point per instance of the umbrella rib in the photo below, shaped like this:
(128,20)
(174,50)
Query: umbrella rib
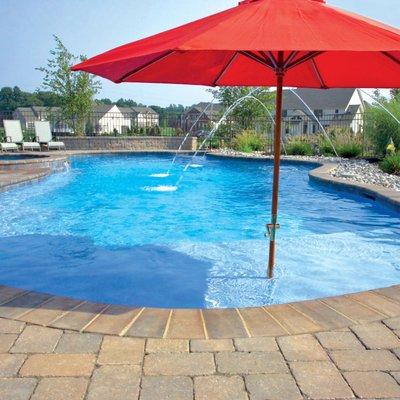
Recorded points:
(224,69)
(304,59)
(148,64)
(318,73)
(392,57)
(292,55)
(272,58)
(254,57)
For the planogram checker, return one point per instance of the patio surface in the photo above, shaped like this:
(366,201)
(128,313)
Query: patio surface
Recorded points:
(334,348)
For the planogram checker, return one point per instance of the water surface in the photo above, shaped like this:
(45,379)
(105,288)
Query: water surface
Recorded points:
(110,231)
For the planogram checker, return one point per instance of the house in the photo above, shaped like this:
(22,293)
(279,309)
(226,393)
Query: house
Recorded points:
(141,116)
(203,115)
(104,118)
(107,118)
(28,115)
(334,108)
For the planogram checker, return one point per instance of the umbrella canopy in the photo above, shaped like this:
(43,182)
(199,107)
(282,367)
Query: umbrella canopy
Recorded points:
(302,43)
(324,47)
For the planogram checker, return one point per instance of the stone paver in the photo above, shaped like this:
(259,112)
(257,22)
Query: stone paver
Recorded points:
(302,348)
(392,323)
(320,380)
(365,360)
(191,364)
(115,382)
(369,385)
(167,345)
(79,343)
(6,341)
(117,350)
(376,336)
(166,388)
(61,389)
(211,345)
(10,364)
(272,387)
(256,344)
(339,340)
(11,326)
(16,388)
(58,365)
(219,388)
(37,339)
(304,353)
(250,363)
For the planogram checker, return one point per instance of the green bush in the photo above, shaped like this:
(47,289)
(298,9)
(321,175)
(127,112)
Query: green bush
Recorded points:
(248,141)
(380,127)
(299,147)
(391,164)
(349,150)
(325,148)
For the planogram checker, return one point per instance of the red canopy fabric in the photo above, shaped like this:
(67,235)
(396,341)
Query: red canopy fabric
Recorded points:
(324,47)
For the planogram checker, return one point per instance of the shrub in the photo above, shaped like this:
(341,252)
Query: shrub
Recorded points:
(349,150)
(325,148)
(391,164)
(299,147)
(380,127)
(248,141)
(347,144)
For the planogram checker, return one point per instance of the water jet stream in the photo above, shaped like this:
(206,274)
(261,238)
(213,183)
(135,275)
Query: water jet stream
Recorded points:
(316,119)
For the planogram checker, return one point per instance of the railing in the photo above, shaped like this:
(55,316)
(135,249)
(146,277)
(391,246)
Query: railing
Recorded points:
(133,124)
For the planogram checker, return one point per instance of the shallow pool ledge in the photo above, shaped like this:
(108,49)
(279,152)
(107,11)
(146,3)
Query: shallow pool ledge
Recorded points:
(388,197)
(332,313)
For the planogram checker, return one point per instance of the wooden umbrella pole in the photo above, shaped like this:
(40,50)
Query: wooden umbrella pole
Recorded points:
(272,227)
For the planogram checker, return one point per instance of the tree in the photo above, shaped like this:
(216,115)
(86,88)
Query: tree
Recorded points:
(250,110)
(395,93)
(75,89)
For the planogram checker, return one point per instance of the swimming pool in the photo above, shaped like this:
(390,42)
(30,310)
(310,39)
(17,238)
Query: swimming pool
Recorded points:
(111,231)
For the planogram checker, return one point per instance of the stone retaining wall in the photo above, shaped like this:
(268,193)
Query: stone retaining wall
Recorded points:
(138,143)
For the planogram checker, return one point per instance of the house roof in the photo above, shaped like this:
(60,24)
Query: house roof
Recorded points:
(137,110)
(212,110)
(318,99)
(143,110)
(102,108)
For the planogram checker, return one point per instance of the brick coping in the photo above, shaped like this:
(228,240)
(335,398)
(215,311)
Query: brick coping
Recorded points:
(276,320)
(310,316)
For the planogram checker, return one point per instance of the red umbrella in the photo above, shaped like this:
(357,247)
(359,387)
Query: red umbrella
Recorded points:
(302,43)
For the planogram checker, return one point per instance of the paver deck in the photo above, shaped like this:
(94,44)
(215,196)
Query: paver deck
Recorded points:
(341,347)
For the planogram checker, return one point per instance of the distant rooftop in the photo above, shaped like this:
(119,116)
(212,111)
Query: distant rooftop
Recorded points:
(318,99)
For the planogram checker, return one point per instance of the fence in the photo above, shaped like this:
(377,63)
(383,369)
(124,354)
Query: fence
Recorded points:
(149,124)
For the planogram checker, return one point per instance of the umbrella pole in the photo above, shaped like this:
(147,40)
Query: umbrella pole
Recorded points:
(272,227)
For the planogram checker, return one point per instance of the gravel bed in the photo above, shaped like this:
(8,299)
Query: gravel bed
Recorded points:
(260,154)
(365,172)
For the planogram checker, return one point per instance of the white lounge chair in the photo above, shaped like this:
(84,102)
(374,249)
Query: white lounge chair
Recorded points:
(15,137)
(45,137)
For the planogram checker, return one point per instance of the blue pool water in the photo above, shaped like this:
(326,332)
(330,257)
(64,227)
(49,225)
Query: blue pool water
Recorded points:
(109,231)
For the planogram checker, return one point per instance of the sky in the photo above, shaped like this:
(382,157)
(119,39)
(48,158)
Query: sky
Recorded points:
(90,27)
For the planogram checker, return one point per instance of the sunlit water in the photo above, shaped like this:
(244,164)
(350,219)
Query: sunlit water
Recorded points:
(109,231)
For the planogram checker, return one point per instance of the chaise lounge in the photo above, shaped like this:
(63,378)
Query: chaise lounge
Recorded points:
(15,137)
(45,137)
